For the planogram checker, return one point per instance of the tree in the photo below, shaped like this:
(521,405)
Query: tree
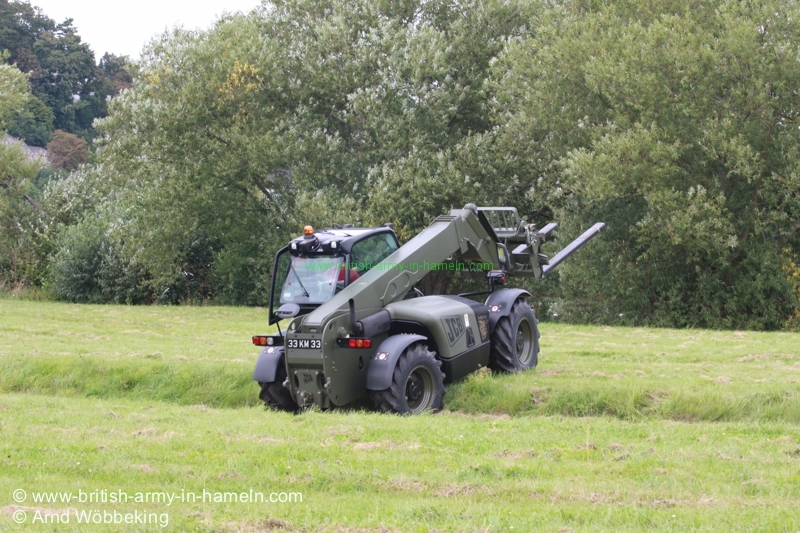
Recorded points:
(67,151)
(672,121)
(676,123)
(33,124)
(13,93)
(61,68)
(20,217)
(68,78)
(116,73)
(21,25)
(226,132)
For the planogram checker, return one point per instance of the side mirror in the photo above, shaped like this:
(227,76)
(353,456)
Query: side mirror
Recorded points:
(288,310)
(502,255)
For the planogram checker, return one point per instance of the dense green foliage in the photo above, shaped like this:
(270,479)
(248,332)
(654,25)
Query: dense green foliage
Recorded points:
(13,93)
(22,254)
(245,141)
(674,123)
(69,89)
(48,79)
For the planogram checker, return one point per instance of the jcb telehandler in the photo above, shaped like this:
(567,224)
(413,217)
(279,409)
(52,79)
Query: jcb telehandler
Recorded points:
(359,326)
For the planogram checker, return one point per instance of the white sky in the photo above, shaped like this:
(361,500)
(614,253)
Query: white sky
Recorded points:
(123,28)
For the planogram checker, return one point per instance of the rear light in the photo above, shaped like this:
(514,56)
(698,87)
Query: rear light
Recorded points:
(354,343)
(264,340)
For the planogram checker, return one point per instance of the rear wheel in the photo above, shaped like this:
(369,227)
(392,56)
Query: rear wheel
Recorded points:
(274,394)
(515,340)
(417,384)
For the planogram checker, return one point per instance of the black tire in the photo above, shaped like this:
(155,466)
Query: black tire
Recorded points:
(515,340)
(274,394)
(417,384)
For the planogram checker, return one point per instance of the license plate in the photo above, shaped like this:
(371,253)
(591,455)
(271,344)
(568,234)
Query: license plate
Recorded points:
(304,344)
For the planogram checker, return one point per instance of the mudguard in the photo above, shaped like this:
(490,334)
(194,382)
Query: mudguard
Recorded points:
(267,364)
(500,303)
(381,367)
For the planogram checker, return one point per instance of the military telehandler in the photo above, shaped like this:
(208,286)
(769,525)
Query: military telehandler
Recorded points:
(360,326)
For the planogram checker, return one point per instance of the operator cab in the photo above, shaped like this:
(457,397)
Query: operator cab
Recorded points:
(314,267)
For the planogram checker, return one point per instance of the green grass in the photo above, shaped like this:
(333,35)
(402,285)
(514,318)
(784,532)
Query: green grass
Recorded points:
(631,373)
(448,472)
(192,355)
(188,355)
(616,430)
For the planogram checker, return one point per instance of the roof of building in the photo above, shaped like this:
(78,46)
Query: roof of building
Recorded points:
(33,152)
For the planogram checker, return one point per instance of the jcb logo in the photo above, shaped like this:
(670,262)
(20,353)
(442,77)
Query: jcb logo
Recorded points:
(453,327)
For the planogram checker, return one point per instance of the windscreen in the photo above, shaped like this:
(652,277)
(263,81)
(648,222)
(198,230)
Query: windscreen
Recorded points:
(304,279)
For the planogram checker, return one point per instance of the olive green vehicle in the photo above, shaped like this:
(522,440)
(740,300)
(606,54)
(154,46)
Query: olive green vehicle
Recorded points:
(360,327)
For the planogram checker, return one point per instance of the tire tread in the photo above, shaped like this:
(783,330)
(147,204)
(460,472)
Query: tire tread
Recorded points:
(274,394)
(392,400)
(503,357)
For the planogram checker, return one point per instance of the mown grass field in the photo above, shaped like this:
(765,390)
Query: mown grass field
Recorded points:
(616,430)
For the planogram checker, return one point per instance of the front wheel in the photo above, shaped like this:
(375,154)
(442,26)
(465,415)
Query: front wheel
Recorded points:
(274,394)
(515,340)
(417,384)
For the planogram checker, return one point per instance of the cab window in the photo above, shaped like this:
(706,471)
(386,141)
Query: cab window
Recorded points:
(367,253)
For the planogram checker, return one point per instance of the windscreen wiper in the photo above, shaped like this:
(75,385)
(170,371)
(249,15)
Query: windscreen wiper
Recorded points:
(297,276)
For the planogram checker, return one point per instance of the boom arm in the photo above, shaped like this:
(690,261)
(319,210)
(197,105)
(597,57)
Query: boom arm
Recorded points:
(472,234)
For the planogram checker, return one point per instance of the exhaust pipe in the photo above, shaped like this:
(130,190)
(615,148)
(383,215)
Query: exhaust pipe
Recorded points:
(353,323)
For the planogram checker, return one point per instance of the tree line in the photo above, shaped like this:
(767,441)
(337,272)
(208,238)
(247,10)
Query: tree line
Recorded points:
(68,89)
(674,122)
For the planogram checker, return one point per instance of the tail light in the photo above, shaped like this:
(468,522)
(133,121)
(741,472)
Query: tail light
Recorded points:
(263,340)
(354,342)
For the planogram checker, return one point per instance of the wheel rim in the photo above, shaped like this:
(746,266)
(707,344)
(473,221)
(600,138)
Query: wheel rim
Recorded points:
(419,389)
(524,342)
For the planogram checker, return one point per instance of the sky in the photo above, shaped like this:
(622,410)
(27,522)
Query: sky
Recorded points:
(123,28)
